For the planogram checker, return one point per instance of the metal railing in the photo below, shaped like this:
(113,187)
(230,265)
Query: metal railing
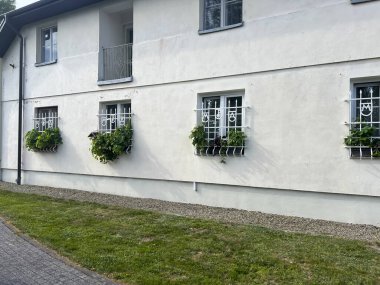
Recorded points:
(109,121)
(117,62)
(45,121)
(218,122)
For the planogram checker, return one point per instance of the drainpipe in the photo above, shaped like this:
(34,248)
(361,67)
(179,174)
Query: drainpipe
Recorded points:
(1,115)
(20,101)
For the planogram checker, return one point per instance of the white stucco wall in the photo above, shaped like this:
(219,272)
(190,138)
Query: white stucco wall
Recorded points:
(295,61)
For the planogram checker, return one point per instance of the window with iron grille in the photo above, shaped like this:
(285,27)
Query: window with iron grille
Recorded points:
(364,138)
(46,118)
(222,117)
(221,13)
(114,115)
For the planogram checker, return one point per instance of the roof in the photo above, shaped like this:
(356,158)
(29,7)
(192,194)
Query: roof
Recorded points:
(37,11)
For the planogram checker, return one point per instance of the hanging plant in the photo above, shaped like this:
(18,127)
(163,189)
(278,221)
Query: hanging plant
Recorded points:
(48,140)
(107,147)
(232,144)
(198,138)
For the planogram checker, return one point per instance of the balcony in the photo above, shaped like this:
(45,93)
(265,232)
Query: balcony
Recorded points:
(115,43)
(116,64)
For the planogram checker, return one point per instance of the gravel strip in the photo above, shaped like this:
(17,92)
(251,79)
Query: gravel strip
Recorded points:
(291,224)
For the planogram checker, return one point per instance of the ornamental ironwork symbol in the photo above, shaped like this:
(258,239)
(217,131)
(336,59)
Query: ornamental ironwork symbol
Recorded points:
(103,121)
(232,116)
(366,109)
(50,123)
(205,117)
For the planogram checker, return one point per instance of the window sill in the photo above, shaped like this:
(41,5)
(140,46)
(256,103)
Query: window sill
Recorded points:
(202,32)
(360,1)
(45,63)
(115,81)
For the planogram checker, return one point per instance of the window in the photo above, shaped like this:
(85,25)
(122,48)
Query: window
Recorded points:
(46,118)
(223,117)
(364,138)
(114,115)
(219,14)
(48,45)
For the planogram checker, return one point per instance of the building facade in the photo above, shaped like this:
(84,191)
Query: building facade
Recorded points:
(294,76)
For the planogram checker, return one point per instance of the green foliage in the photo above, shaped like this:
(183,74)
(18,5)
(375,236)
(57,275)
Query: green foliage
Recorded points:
(361,137)
(236,138)
(107,147)
(40,141)
(141,247)
(31,140)
(198,137)
(6,6)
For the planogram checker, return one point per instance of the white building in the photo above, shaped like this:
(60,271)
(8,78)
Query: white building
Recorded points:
(293,75)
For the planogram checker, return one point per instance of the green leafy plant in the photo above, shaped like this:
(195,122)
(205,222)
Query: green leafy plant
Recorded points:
(236,138)
(360,137)
(198,137)
(107,147)
(47,140)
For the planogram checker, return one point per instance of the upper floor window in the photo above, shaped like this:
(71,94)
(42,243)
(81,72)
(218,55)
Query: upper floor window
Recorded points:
(114,115)
(221,13)
(363,140)
(47,45)
(46,118)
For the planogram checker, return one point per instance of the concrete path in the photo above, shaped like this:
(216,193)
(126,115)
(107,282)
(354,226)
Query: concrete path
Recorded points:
(24,262)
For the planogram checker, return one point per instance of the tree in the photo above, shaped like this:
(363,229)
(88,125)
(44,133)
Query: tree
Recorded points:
(6,6)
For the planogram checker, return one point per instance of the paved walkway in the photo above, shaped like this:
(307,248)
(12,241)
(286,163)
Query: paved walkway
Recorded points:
(24,262)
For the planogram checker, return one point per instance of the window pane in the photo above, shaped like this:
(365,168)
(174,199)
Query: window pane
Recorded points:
(211,116)
(233,12)
(234,113)
(54,43)
(212,14)
(46,45)
(111,117)
(124,114)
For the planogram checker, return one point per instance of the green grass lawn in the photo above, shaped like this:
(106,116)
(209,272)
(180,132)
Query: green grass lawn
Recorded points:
(140,247)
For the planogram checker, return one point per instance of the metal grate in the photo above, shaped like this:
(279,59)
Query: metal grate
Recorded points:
(365,115)
(117,62)
(220,115)
(113,116)
(45,119)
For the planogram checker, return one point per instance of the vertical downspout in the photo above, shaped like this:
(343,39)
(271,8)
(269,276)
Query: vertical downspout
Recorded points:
(20,101)
(1,117)
(20,105)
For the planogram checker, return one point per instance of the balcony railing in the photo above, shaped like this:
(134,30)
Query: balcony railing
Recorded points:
(117,63)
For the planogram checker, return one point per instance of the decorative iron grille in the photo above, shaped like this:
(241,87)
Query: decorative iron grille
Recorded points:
(114,116)
(364,122)
(46,119)
(220,115)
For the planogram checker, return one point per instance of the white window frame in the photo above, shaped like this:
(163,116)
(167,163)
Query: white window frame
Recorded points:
(118,119)
(45,118)
(223,25)
(53,53)
(204,117)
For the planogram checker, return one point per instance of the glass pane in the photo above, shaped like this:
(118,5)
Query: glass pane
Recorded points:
(211,116)
(54,43)
(234,113)
(111,117)
(46,45)
(233,12)
(124,114)
(212,14)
